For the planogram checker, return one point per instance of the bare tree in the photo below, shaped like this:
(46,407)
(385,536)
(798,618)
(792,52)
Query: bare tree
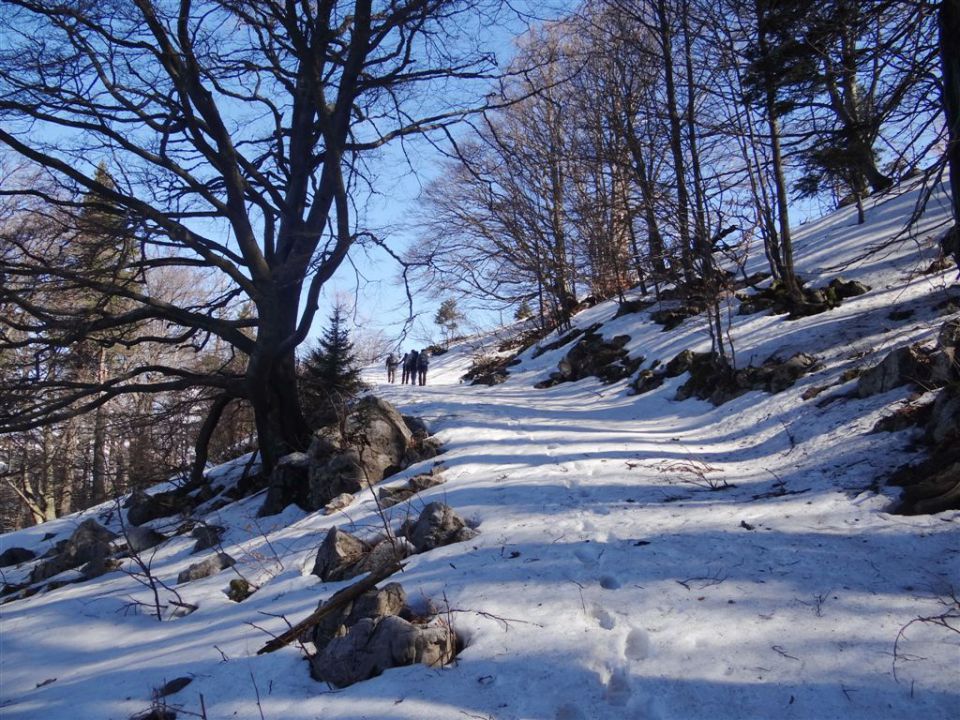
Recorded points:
(239,131)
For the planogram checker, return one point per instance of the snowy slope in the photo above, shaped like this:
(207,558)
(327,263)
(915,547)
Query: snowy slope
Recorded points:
(608,579)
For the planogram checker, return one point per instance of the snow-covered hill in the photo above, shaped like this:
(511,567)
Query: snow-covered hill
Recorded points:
(638,557)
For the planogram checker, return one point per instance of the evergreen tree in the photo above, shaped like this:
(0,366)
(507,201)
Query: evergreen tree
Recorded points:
(524,311)
(448,317)
(329,377)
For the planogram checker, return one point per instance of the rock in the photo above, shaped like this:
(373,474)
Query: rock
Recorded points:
(944,422)
(373,604)
(945,360)
(207,536)
(15,556)
(416,426)
(289,483)
(140,539)
(338,503)
(372,646)
(438,525)
(205,568)
(144,508)
(338,554)
(390,496)
(593,356)
(373,446)
(99,566)
(239,590)
(385,553)
(90,541)
(646,381)
(394,495)
(785,374)
(844,289)
(897,368)
(681,363)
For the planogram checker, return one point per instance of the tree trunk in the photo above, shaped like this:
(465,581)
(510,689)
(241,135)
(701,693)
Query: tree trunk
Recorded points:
(271,381)
(949,20)
(676,141)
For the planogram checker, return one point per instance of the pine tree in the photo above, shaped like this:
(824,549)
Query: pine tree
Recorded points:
(329,377)
(448,317)
(524,311)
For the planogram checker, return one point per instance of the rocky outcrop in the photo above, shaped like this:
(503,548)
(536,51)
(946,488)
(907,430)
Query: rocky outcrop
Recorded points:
(719,383)
(89,543)
(593,356)
(369,635)
(372,443)
(777,299)
(926,367)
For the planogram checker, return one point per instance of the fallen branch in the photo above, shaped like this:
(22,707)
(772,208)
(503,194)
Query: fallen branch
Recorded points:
(337,601)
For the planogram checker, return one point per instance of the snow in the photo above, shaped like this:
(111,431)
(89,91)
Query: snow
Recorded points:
(608,579)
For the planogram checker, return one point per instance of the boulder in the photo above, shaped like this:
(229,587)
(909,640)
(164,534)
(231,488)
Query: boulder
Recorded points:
(374,604)
(945,362)
(843,289)
(15,556)
(646,381)
(144,508)
(373,645)
(338,554)
(338,503)
(593,356)
(371,445)
(207,536)
(99,566)
(898,368)
(289,483)
(944,422)
(89,542)
(389,552)
(438,525)
(140,539)
(205,568)
(784,374)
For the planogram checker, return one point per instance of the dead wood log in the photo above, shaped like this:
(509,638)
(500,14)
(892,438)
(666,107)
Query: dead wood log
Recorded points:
(337,601)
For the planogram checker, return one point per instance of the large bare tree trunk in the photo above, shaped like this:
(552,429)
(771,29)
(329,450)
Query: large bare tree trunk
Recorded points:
(950,57)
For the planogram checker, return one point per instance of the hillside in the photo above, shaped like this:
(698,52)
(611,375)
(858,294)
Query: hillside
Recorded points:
(637,556)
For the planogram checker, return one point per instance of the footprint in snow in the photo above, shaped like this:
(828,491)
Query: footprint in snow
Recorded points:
(618,690)
(609,582)
(604,617)
(638,645)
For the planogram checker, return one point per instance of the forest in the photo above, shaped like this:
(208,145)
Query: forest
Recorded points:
(181,181)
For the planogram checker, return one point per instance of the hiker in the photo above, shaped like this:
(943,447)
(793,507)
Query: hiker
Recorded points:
(412,367)
(405,368)
(392,363)
(423,364)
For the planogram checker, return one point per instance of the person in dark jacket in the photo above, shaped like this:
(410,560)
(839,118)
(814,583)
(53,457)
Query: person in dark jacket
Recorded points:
(392,363)
(405,368)
(412,367)
(423,364)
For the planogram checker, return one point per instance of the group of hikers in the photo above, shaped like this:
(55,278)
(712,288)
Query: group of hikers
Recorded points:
(415,365)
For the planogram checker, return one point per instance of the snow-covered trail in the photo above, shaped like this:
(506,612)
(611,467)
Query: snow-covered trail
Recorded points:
(638,557)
